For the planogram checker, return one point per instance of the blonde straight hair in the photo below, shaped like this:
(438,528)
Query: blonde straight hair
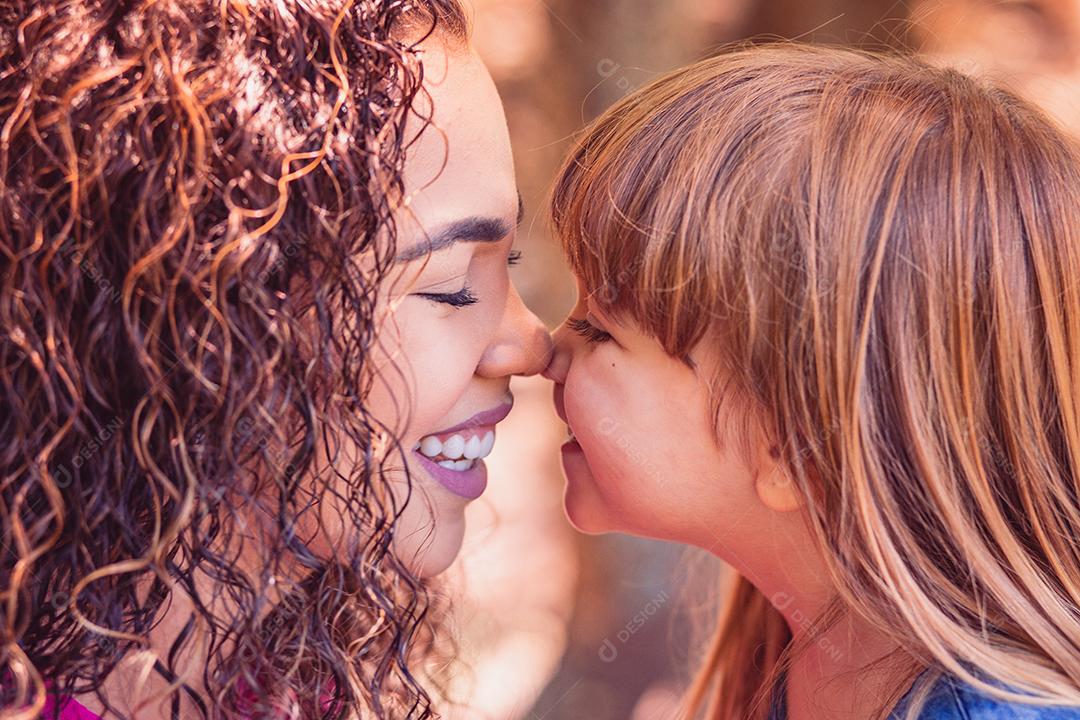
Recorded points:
(886,256)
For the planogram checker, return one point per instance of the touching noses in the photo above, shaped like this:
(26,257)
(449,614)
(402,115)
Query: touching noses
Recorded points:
(522,345)
(560,356)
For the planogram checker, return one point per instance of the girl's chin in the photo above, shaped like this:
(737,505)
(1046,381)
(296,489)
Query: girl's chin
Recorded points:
(584,507)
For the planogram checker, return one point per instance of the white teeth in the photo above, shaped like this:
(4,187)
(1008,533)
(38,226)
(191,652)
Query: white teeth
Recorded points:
(454,447)
(570,433)
(457,465)
(431,446)
(472,448)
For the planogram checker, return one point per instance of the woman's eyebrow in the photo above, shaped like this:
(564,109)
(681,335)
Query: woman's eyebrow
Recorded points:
(470,229)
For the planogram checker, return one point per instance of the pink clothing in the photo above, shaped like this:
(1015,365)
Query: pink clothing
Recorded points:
(69,710)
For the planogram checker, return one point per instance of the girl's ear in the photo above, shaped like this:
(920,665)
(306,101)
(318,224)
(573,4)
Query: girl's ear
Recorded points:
(773,482)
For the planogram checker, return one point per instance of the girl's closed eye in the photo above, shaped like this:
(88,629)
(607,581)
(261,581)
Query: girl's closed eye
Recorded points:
(587,330)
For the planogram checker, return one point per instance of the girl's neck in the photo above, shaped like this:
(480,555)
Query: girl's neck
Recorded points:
(851,672)
(852,668)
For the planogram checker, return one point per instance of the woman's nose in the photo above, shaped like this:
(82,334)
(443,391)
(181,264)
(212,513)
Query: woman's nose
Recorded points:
(521,347)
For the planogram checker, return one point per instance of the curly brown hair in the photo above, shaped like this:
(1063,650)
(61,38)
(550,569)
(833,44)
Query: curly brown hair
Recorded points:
(196,214)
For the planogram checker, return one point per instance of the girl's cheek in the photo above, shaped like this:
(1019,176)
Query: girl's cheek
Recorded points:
(586,402)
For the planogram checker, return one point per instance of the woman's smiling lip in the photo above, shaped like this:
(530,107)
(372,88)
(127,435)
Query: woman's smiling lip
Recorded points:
(481,419)
(469,483)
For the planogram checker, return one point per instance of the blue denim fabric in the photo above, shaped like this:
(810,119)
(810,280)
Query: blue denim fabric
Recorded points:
(952,699)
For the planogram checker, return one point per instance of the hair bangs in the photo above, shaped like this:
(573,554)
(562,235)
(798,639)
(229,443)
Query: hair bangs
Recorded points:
(631,234)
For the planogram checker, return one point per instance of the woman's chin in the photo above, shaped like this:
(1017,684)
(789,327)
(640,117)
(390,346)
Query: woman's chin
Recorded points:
(430,551)
(431,528)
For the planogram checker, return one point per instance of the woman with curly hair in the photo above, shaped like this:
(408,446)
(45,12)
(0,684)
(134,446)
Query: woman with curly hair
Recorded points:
(256,330)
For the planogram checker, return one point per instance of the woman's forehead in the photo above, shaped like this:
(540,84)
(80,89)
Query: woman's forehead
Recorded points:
(461,165)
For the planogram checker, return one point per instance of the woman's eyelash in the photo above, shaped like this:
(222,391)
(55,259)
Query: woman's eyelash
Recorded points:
(587,330)
(461,298)
(514,258)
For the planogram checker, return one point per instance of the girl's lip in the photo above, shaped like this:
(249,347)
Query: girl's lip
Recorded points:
(560,403)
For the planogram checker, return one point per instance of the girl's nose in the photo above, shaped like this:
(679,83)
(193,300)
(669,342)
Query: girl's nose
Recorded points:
(560,357)
(522,345)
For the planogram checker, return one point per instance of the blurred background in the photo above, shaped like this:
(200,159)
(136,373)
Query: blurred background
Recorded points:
(554,625)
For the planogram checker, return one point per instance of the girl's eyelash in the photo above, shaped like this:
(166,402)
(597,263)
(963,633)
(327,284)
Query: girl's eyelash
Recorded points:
(461,298)
(587,330)
(514,258)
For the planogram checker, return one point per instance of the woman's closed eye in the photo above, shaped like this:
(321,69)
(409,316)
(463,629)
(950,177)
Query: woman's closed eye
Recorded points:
(587,330)
(459,299)
(464,297)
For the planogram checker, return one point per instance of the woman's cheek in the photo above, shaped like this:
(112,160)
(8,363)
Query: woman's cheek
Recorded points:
(443,363)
